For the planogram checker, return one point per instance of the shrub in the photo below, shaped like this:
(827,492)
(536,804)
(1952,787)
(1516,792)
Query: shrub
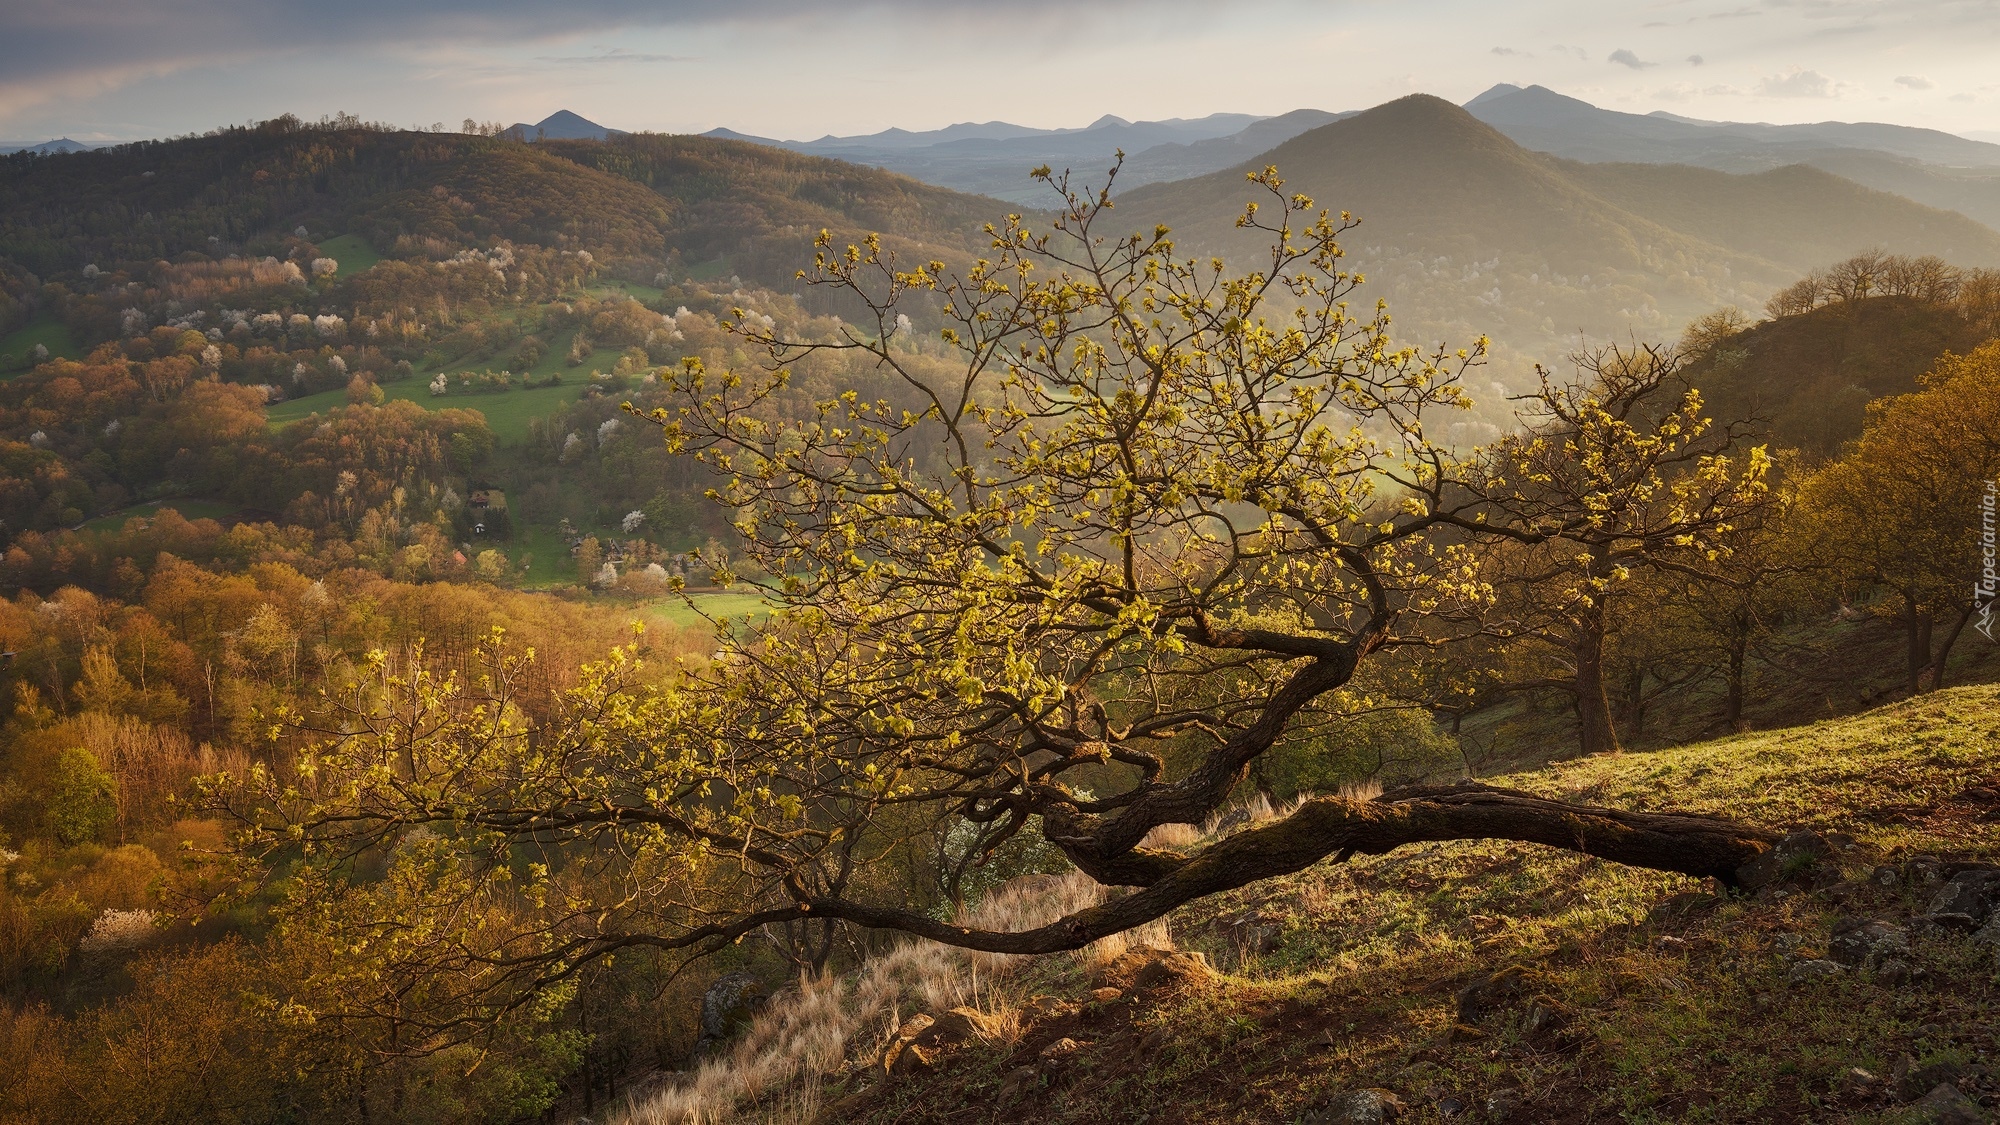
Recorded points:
(82,799)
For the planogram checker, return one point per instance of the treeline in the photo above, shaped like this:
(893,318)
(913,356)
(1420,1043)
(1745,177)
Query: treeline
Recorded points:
(1877,273)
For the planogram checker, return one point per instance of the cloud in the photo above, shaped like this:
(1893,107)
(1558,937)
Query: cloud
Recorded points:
(1796,83)
(57,49)
(1695,60)
(1623,57)
(1511,52)
(1963,98)
(1914,82)
(615,55)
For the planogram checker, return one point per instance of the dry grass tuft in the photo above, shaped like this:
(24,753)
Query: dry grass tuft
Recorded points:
(823,1025)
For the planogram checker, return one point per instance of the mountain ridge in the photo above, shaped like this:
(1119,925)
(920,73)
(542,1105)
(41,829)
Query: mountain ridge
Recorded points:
(1467,232)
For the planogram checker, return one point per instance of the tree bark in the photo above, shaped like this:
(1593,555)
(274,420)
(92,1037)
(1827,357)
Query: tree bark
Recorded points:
(1944,650)
(1917,626)
(1694,845)
(1593,708)
(1732,696)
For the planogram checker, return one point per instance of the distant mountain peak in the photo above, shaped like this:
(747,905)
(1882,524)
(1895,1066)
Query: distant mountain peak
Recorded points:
(1499,90)
(562,125)
(1107,121)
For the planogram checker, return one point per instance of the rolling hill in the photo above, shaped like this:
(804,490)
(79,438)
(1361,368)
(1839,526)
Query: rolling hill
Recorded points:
(1466,231)
(643,197)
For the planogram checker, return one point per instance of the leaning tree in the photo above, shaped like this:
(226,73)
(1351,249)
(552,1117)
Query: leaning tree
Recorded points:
(1149,521)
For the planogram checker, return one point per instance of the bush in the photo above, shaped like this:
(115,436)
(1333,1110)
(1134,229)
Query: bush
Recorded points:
(82,799)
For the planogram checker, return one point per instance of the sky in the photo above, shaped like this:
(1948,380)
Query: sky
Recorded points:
(114,70)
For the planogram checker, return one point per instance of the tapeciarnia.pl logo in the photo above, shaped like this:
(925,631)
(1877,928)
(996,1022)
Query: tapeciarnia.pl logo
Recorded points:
(1987,589)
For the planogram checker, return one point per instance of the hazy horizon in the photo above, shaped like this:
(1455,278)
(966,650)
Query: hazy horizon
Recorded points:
(103,71)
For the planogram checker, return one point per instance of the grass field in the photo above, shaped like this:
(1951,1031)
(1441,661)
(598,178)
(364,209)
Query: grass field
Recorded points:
(724,604)
(192,509)
(508,414)
(352,252)
(15,350)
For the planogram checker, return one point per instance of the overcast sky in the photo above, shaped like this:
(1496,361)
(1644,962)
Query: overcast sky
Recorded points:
(107,70)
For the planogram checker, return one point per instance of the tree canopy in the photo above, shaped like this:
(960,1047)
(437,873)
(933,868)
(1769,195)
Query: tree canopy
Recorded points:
(1142,521)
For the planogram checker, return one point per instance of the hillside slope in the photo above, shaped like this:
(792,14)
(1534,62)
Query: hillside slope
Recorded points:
(1813,375)
(1495,982)
(762,206)
(1467,232)
(645,197)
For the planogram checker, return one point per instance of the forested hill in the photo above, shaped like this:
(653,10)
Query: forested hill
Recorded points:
(756,203)
(1468,232)
(409,193)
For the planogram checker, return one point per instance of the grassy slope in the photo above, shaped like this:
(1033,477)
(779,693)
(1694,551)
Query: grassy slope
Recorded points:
(1687,1020)
(352,252)
(46,331)
(507,413)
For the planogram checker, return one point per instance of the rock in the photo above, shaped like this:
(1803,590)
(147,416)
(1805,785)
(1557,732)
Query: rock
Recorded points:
(1989,934)
(1490,992)
(1886,876)
(1543,1018)
(1172,967)
(1947,923)
(1040,1008)
(1970,893)
(1675,908)
(727,1009)
(1019,1081)
(1789,858)
(1923,871)
(908,1058)
(959,1025)
(1059,1048)
(1913,1082)
(1358,1107)
(1146,967)
(1893,972)
(1502,1105)
(911,1028)
(1861,943)
(1450,1106)
(1807,971)
(1105,995)
(1945,1105)
(1859,1080)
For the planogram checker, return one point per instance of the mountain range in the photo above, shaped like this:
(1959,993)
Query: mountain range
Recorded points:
(1465,232)
(1940,169)
(1463,229)
(994,158)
